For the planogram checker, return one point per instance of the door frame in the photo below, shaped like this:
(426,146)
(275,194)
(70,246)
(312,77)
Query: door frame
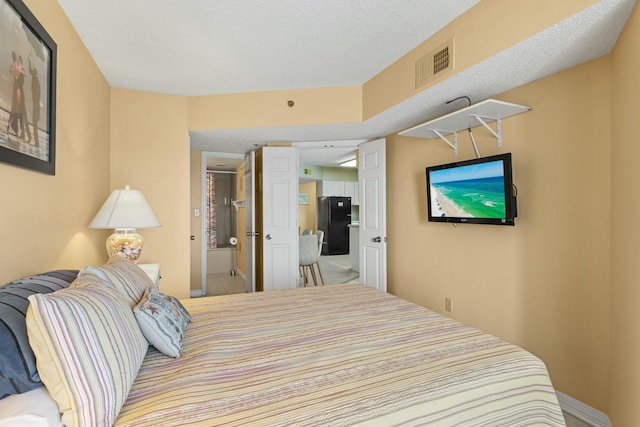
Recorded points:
(203,203)
(361,246)
(203,169)
(250,220)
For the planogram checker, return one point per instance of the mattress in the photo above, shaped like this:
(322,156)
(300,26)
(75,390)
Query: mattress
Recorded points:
(337,355)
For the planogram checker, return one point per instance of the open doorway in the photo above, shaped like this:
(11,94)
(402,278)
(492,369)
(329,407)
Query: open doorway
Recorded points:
(329,201)
(220,220)
(339,264)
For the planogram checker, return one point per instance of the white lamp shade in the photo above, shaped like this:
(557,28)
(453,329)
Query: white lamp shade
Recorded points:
(125,208)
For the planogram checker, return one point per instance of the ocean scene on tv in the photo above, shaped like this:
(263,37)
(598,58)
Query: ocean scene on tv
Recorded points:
(473,191)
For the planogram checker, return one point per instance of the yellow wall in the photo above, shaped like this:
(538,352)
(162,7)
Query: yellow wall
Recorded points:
(44,219)
(196,221)
(625,253)
(150,151)
(543,284)
(263,109)
(562,282)
(487,29)
(308,214)
(241,226)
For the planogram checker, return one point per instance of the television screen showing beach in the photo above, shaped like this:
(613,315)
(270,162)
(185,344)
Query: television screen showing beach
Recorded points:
(474,191)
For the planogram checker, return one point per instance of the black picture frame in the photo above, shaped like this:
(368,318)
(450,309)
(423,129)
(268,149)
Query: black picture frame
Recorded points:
(28,56)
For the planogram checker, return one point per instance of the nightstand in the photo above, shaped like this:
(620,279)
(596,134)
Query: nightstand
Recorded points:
(153,271)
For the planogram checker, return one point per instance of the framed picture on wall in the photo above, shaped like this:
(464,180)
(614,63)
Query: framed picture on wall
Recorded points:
(27,90)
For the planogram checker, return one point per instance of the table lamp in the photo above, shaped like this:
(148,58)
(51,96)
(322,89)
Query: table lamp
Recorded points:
(125,210)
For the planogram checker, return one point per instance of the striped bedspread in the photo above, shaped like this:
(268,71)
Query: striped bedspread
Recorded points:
(337,355)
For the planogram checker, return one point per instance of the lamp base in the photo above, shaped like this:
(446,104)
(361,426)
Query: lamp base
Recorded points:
(125,242)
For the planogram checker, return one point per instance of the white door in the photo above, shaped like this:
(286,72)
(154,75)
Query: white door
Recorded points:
(373,221)
(280,217)
(250,221)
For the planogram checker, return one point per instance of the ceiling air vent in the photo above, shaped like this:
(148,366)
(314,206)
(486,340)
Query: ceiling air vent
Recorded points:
(434,63)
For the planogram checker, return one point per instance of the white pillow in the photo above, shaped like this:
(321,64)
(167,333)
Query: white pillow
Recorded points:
(35,408)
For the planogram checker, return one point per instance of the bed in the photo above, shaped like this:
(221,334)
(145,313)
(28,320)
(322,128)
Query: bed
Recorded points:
(330,355)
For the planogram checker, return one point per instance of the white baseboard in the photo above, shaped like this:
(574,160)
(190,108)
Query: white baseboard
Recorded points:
(582,411)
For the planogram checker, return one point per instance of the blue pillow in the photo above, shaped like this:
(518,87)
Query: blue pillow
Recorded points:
(162,320)
(18,372)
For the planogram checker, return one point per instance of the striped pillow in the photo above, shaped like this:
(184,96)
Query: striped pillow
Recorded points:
(88,349)
(123,275)
(18,373)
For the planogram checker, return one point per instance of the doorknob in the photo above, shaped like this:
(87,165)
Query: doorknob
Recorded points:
(268,237)
(377,239)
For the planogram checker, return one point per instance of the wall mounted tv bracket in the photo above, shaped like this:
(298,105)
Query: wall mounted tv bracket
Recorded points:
(482,113)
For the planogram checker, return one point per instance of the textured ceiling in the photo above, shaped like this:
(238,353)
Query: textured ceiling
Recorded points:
(232,46)
(205,47)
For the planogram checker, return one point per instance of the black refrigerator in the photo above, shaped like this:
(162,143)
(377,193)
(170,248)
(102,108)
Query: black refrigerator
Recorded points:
(334,214)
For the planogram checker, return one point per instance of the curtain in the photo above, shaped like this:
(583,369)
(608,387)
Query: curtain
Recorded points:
(212,241)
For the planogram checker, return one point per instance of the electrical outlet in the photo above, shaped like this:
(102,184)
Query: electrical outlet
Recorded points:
(448,305)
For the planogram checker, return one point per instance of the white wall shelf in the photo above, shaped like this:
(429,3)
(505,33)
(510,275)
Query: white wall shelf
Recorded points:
(482,113)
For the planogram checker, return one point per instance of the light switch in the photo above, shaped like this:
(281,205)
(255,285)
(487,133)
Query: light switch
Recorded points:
(196,212)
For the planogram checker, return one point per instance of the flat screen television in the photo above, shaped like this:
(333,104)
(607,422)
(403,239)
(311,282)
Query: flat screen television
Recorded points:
(478,191)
